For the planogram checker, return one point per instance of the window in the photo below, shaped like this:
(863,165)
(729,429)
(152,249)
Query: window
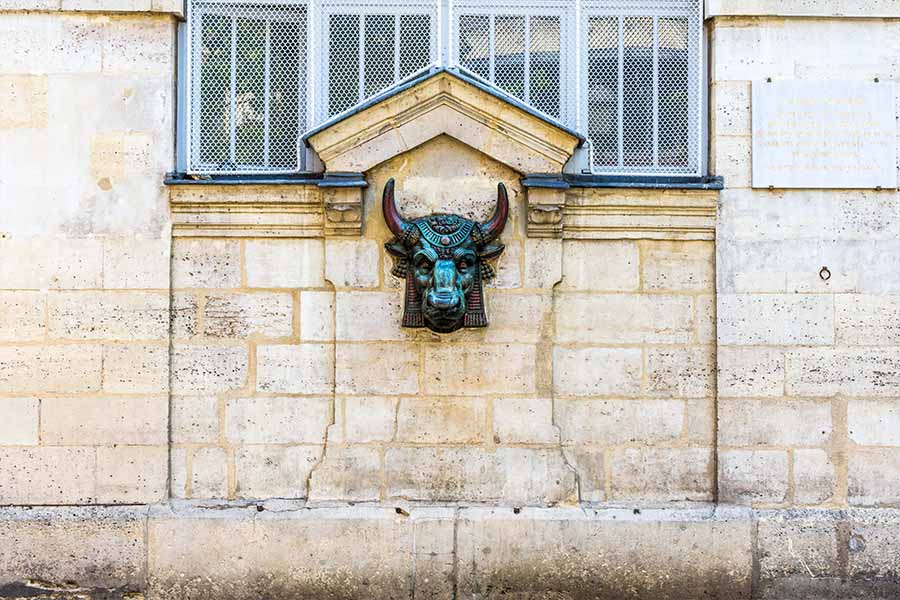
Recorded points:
(626,73)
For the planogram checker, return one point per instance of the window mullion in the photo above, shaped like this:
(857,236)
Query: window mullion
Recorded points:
(267,92)
(621,92)
(362,57)
(526,53)
(492,55)
(656,91)
(232,151)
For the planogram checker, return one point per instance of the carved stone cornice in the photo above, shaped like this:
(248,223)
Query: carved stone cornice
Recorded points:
(443,103)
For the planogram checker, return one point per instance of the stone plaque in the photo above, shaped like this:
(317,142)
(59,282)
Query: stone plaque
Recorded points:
(824,135)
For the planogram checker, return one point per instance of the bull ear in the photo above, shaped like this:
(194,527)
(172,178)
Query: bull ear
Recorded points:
(391,214)
(492,251)
(495,225)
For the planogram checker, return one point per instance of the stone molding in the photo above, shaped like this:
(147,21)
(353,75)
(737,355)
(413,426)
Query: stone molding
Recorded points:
(443,104)
(803,8)
(172,7)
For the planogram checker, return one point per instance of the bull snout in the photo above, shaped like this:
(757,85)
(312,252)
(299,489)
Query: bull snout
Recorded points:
(443,300)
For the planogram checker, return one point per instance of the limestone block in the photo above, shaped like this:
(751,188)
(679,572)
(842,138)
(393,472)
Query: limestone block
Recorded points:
(277,420)
(132,474)
(814,476)
(380,368)
(294,555)
(608,266)
(852,372)
(316,316)
(19,421)
(611,422)
(624,319)
(208,369)
(29,4)
(184,318)
(194,420)
(274,471)
(102,421)
(285,263)
(731,102)
(874,477)
(747,476)
(295,369)
(775,319)
(543,263)
(508,267)
(701,418)
(510,475)
(136,264)
(803,544)
(206,263)
(520,318)
(750,372)
(862,320)
(24,98)
(874,422)
(92,548)
(749,422)
(524,421)
(479,369)
(369,419)
(135,369)
(68,44)
(681,372)
(347,474)
(597,371)
(731,160)
(441,421)
(802,8)
(178,467)
(662,475)
(352,263)
(258,315)
(370,316)
(66,368)
(678,266)
(121,154)
(36,263)
(589,465)
(772,56)
(681,555)
(142,46)
(108,316)
(209,473)
(47,475)
(705,318)
(105,5)
(22,316)
(873,545)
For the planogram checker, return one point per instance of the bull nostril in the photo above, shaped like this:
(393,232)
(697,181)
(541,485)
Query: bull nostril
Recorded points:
(443,301)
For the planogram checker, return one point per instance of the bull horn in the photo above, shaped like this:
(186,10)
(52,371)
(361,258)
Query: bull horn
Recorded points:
(494,226)
(391,214)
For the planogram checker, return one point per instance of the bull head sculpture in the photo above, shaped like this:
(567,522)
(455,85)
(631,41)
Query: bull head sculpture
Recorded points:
(443,259)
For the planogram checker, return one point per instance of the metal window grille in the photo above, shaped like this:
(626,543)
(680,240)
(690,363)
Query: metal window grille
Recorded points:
(642,84)
(628,73)
(523,48)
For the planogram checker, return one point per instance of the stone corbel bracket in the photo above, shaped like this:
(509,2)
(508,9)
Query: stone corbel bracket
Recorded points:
(342,199)
(546,201)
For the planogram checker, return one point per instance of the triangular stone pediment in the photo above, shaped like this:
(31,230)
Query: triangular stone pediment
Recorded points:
(443,103)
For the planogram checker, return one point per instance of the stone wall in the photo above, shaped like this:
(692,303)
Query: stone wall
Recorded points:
(809,370)
(86,130)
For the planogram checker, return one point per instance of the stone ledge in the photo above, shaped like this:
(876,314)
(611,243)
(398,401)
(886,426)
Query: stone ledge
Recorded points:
(280,549)
(172,7)
(803,8)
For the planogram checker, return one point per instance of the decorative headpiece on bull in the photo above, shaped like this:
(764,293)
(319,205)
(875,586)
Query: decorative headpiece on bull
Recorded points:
(443,259)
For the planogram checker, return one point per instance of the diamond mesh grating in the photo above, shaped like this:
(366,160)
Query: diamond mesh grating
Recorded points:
(262,72)
(644,97)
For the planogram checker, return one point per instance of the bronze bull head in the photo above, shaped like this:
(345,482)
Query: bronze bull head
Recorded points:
(443,259)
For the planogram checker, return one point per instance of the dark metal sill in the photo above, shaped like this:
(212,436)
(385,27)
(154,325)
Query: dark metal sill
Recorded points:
(624,182)
(316,179)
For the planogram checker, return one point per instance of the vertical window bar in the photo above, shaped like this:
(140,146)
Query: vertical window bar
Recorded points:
(362,57)
(655,91)
(233,108)
(621,92)
(267,92)
(492,56)
(396,48)
(526,88)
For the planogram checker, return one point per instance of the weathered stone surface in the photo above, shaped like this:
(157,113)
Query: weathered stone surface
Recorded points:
(662,475)
(751,477)
(19,421)
(776,320)
(482,369)
(238,316)
(853,372)
(612,422)
(625,319)
(300,369)
(441,421)
(274,471)
(597,371)
(524,421)
(65,368)
(347,473)
(206,264)
(677,266)
(277,420)
(352,264)
(47,475)
(382,368)
(750,372)
(874,477)
(285,263)
(104,420)
(194,420)
(874,422)
(132,474)
(208,369)
(209,473)
(601,266)
(681,372)
(749,422)
(514,475)
(814,476)
(22,316)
